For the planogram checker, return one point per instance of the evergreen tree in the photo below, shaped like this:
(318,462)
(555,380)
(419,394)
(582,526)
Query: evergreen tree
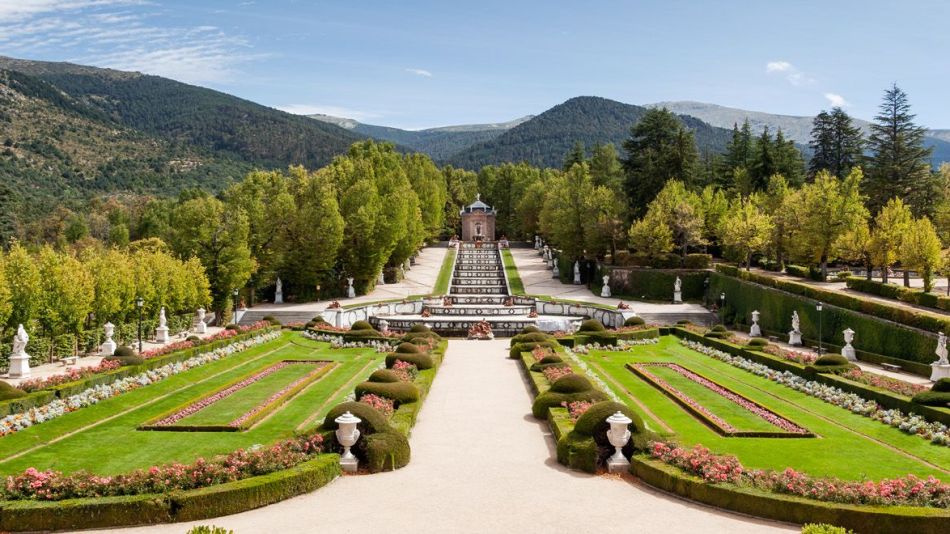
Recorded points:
(763,161)
(900,163)
(575,156)
(659,149)
(788,160)
(738,152)
(836,143)
(606,169)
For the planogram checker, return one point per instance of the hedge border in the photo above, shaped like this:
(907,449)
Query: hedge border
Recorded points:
(203,503)
(901,293)
(788,508)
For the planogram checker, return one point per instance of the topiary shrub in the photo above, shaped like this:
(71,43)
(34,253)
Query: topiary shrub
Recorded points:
(548,361)
(380,446)
(517,348)
(634,321)
(384,375)
(408,348)
(823,528)
(932,398)
(592,425)
(719,328)
(399,392)
(272,320)
(758,342)
(530,329)
(362,325)
(533,337)
(372,420)
(684,322)
(193,339)
(942,385)
(126,361)
(124,351)
(830,364)
(8,392)
(420,328)
(421,361)
(232,327)
(716,335)
(566,389)
(571,384)
(592,325)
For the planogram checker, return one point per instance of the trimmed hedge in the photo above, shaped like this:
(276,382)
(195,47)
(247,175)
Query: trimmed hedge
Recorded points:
(863,519)
(883,333)
(809,272)
(586,447)
(213,501)
(383,375)
(933,398)
(517,348)
(362,325)
(904,294)
(566,389)
(377,454)
(8,392)
(657,284)
(421,361)
(634,321)
(400,392)
(533,337)
(592,325)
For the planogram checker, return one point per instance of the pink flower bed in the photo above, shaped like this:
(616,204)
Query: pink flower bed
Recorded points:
(745,403)
(406,371)
(713,468)
(224,334)
(71,375)
(553,373)
(686,399)
(885,382)
(382,405)
(577,408)
(540,352)
(802,358)
(242,463)
(279,396)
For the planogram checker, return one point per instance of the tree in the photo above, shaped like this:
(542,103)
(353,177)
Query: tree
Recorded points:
(605,228)
(651,236)
(855,246)
(890,226)
(763,161)
(920,250)
(315,234)
(746,230)
(779,201)
(659,149)
(606,169)
(900,163)
(575,156)
(205,228)
(65,296)
(837,144)
(113,284)
(828,208)
(715,206)
(461,188)
(429,185)
(6,306)
(682,211)
(566,209)
(23,278)
(738,152)
(788,160)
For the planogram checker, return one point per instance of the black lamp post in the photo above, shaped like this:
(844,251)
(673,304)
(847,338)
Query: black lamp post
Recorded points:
(706,291)
(234,298)
(140,303)
(722,308)
(820,349)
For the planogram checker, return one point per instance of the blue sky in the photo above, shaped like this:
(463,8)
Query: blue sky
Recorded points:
(416,64)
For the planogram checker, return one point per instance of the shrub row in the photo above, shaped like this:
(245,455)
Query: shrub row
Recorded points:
(810,272)
(864,519)
(653,284)
(904,294)
(62,391)
(883,333)
(664,261)
(213,501)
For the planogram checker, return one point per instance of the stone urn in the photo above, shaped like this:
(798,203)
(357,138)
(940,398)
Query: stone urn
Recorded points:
(619,436)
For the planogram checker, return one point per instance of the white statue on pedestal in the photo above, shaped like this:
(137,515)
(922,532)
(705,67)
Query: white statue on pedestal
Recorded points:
(108,348)
(941,367)
(200,326)
(605,291)
(350,290)
(577,272)
(161,333)
(537,242)
(381,280)
(678,291)
(755,331)
(555,272)
(279,292)
(19,359)
(848,351)
(384,326)
(795,336)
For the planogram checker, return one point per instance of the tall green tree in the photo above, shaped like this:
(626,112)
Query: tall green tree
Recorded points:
(682,210)
(650,236)
(462,186)
(899,165)
(891,224)
(315,234)
(659,149)
(567,209)
(577,155)
(606,169)
(837,144)
(23,279)
(920,250)
(429,185)
(739,152)
(746,230)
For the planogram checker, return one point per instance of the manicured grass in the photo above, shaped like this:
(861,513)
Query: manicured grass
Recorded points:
(445,273)
(115,446)
(847,445)
(516,286)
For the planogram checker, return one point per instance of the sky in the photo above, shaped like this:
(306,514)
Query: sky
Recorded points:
(417,64)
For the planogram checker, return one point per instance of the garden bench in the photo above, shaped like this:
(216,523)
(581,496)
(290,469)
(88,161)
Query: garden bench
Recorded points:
(69,360)
(773,339)
(891,367)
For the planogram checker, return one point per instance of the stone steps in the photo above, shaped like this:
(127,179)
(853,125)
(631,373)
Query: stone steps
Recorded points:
(479,310)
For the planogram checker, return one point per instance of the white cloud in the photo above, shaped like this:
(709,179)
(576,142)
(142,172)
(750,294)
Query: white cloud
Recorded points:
(420,72)
(837,100)
(14,10)
(333,111)
(792,74)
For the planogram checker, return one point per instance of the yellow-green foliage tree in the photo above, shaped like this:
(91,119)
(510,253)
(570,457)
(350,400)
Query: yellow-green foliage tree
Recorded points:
(650,236)
(746,230)
(566,209)
(66,293)
(920,250)
(890,226)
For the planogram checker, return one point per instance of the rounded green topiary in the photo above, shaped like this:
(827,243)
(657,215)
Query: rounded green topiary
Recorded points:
(380,446)
(372,420)
(942,385)
(399,392)
(932,398)
(272,320)
(572,383)
(684,322)
(634,321)
(362,325)
(533,337)
(232,327)
(419,328)
(124,351)
(716,335)
(516,349)
(553,399)
(719,328)
(592,325)
(594,420)
(758,342)
(384,375)
(552,360)
(421,361)
(831,360)
(530,329)
(408,348)
(193,339)
(386,451)
(8,392)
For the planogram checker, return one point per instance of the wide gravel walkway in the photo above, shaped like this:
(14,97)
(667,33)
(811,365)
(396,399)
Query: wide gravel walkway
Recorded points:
(481,463)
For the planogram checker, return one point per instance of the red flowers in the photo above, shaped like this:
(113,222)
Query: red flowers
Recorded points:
(383,405)
(71,375)
(553,373)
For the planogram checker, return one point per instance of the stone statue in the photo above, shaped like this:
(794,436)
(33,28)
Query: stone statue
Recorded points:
(941,367)
(755,331)
(678,284)
(279,292)
(677,291)
(350,290)
(109,346)
(162,320)
(795,336)
(848,351)
(605,291)
(161,333)
(577,272)
(796,322)
(280,285)
(19,359)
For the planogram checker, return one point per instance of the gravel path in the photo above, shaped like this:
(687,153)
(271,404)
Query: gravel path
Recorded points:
(481,463)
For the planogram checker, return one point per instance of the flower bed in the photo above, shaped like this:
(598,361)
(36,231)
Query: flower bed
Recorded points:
(242,463)
(912,424)
(407,372)
(381,404)
(71,375)
(553,373)
(716,469)
(885,382)
(576,409)
(622,345)
(58,407)
(337,342)
(801,358)
(789,429)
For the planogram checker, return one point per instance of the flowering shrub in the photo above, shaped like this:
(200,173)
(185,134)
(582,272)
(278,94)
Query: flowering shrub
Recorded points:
(553,373)
(223,334)
(885,382)
(383,405)
(337,342)
(905,491)
(622,345)
(577,408)
(40,414)
(803,358)
(407,372)
(71,375)
(912,424)
(541,352)
(242,463)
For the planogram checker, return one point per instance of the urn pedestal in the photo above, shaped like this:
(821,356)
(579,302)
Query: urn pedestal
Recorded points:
(939,371)
(20,366)
(795,338)
(677,297)
(161,334)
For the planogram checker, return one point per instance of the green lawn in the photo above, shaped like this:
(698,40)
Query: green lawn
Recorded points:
(516,286)
(103,438)
(847,445)
(445,273)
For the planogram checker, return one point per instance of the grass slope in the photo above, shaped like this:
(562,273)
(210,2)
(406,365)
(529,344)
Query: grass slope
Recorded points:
(115,446)
(849,446)
(515,285)
(445,273)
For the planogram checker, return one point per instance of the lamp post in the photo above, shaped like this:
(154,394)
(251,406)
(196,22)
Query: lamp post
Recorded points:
(706,291)
(234,298)
(140,303)
(722,308)
(820,349)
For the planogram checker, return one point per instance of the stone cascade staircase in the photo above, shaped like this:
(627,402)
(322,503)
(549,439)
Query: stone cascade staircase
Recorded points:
(478,271)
